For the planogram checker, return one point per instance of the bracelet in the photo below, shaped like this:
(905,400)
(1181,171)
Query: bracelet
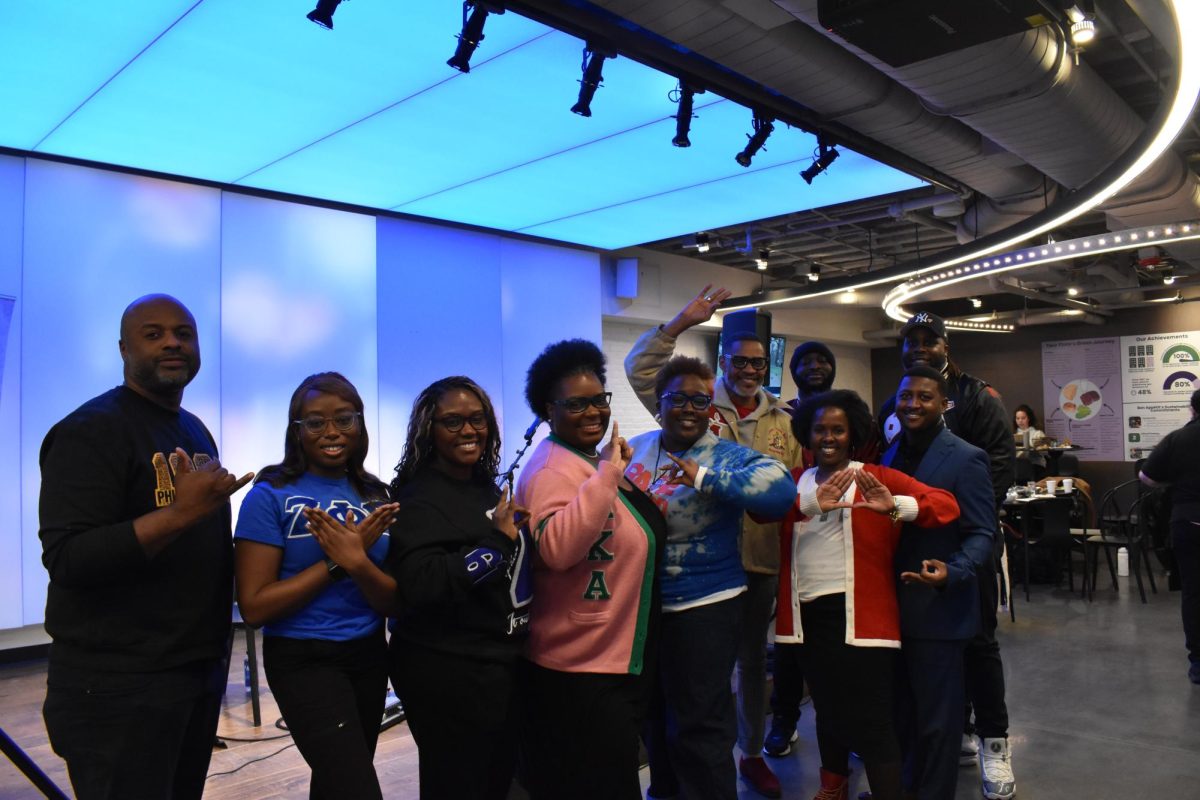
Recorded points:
(895,512)
(336,572)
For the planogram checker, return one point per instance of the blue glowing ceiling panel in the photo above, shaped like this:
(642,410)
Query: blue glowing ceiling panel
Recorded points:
(253,94)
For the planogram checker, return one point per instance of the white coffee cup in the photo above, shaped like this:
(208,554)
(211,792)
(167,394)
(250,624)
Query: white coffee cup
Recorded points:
(1068,484)
(1051,486)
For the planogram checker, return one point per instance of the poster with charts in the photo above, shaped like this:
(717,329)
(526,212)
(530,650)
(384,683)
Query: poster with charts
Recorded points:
(1159,372)
(1081,396)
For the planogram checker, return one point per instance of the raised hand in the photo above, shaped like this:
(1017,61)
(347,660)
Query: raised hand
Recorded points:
(933,573)
(829,493)
(341,542)
(507,516)
(199,491)
(876,496)
(699,309)
(617,451)
(682,472)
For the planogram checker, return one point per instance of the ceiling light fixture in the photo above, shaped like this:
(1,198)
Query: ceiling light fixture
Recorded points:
(976,302)
(1082,16)
(763,261)
(1072,291)
(814,273)
(323,13)
(1153,142)
(472,32)
(702,244)
(826,155)
(593,76)
(1168,278)
(763,125)
(684,94)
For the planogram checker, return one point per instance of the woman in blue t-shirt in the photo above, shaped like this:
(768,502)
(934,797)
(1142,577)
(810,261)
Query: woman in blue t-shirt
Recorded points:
(318,590)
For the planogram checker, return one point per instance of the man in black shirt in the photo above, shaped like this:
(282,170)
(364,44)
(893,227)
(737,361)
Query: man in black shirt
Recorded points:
(976,414)
(1173,462)
(135,530)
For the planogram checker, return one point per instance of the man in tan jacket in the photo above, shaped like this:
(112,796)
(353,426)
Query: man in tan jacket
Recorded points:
(742,411)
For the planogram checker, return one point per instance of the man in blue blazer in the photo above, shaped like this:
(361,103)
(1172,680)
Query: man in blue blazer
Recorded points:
(936,583)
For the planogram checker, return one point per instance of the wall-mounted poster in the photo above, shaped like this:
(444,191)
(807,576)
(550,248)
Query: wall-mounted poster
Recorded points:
(1081,396)
(1159,373)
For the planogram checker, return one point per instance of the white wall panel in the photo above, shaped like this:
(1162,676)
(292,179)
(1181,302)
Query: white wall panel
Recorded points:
(12,196)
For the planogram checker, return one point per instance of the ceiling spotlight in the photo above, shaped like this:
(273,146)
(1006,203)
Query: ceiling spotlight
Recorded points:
(323,13)
(763,260)
(472,32)
(593,68)
(1082,16)
(702,245)
(763,125)
(826,155)
(1072,291)
(1168,278)
(976,302)
(684,95)
(814,273)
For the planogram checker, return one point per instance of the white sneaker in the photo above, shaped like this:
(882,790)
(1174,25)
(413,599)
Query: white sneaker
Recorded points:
(968,752)
(995,769)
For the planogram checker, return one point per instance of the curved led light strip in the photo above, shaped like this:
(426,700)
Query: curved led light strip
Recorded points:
(1187,26)
(990,265)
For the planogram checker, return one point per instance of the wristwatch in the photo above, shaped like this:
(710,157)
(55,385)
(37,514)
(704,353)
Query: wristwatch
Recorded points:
(895,512)
(335,570)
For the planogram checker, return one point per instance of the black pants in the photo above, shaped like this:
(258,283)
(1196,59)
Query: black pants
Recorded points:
(135,736)
(852,694)
(462,714)
(1185,539)
(929,704)
(579,734)
(787,690)
(983,668)
(331,695)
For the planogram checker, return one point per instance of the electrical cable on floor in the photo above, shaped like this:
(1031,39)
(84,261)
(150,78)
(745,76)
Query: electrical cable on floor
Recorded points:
(251,761)
(279,723)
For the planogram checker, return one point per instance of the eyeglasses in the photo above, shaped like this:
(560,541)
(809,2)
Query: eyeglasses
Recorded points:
(577,405)
(342,422)
(741,362)
(679,400)
(454,422)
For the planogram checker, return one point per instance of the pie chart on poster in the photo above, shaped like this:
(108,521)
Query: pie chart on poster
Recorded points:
(1080,399)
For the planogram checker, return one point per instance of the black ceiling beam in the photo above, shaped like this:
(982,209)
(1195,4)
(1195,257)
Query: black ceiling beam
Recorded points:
(591,23)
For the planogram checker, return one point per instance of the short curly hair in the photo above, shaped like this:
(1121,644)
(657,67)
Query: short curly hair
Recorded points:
(857,414)
(681,365)
(560,360)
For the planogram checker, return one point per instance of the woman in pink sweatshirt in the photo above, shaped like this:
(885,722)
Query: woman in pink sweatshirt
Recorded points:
(593,628)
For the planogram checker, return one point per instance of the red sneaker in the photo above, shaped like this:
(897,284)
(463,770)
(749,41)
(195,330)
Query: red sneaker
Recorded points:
(833,786)
(756,773)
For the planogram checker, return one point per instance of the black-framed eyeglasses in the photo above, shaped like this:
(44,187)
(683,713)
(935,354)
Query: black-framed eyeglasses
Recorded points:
(679,400)
(316,425)
(741,362)
(454,422)
(577,405)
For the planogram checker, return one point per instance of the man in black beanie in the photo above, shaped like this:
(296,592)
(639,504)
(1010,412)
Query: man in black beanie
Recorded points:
(813,367)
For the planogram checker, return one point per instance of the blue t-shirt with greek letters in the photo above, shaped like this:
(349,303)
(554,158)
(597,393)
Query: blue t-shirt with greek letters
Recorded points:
(274,516)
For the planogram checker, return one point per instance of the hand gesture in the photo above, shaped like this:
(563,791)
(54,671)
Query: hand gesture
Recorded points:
(829,493)
(199,491)
(375,523)
(617,451)
(876,496)
(699,309)
(933,573)
(346,544)
(682,472)
(507,516)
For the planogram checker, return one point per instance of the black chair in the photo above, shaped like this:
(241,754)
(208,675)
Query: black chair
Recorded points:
(1045,524)
(1120,525)
(1025,471)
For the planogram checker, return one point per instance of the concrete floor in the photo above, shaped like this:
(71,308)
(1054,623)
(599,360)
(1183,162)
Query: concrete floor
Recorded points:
(1099,702)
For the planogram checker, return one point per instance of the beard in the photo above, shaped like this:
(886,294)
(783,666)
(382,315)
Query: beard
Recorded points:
(156,380)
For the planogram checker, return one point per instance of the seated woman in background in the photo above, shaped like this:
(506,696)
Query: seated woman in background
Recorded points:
(703,485)
(593,628)
(461,568)
(318,588)
(837,588)
(1025,420)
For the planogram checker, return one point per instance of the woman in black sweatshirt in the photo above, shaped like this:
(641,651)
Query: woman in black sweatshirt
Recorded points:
(461,568)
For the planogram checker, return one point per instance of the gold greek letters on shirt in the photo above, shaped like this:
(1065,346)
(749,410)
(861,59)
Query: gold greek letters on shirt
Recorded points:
(164,489)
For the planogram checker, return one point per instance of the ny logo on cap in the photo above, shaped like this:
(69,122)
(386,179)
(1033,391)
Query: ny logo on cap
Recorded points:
(924,316)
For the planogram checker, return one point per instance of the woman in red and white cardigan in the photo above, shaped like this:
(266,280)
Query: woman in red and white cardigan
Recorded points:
(837,595)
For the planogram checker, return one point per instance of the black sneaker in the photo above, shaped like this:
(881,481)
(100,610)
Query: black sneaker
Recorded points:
(778,742)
